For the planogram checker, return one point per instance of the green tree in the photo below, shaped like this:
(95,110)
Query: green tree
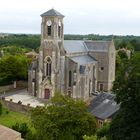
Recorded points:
(122,54)
(121,69)
(65,118)
(13,68)
(123,44)
(126,124)
(103,131)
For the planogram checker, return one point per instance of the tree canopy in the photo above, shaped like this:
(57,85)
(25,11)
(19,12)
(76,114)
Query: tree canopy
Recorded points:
(126,124)
(65,118)
(33,41)
(13,68)
(20,40)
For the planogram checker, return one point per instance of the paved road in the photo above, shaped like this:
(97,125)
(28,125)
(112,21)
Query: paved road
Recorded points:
(13,92)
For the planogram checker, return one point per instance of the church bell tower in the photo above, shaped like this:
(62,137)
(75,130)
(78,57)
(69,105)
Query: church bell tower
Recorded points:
(51,54)
(52,26)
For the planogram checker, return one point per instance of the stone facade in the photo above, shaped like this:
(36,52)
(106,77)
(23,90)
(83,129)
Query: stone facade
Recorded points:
(76,68)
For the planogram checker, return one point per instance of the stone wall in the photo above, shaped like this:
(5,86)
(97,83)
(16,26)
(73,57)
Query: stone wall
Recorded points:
(18,107)
(6,88)
(20,85)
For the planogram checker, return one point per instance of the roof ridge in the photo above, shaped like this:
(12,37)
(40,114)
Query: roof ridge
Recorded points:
(98,41)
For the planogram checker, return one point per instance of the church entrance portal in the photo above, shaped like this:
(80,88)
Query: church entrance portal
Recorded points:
(47,94)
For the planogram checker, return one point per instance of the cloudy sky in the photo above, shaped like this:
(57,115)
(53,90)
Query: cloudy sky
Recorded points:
(121,17)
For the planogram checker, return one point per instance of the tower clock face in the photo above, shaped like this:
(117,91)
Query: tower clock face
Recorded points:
(49,22)
(59,23)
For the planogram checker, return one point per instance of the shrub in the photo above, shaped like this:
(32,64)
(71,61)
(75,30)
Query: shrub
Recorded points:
(22,128)
(7,111)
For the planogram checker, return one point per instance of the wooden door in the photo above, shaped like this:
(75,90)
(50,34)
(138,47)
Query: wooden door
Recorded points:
(47,94)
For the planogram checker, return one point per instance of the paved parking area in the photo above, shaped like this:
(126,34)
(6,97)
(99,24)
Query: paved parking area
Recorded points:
(24,97)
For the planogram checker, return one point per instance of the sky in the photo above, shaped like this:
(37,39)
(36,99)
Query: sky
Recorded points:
(104,17)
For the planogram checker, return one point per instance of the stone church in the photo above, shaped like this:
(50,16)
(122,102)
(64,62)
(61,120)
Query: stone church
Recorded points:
(74,67)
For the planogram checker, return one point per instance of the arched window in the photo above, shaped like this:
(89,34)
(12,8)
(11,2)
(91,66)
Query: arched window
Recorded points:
(70,78)
(49,30)
(48,67)
(49,23)
(59,29)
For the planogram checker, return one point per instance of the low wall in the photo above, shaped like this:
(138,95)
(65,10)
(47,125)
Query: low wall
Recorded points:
(20,85)
(16,106)
(6,88)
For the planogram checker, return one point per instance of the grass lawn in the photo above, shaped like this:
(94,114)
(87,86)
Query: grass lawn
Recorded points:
(11,118)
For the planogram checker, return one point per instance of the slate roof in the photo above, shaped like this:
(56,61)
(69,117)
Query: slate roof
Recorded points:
(73,46)
(104,106)
(52,12)
(100,46)
(83,59)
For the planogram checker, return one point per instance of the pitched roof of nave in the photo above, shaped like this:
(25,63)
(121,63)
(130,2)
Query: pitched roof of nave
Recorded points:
(83,59)
(100,46)
(52,12)
(75,46)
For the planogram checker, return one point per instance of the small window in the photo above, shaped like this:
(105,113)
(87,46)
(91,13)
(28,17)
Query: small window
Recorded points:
(100,123)
(70,78)
(82,69)
(59,31)
(102,68)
